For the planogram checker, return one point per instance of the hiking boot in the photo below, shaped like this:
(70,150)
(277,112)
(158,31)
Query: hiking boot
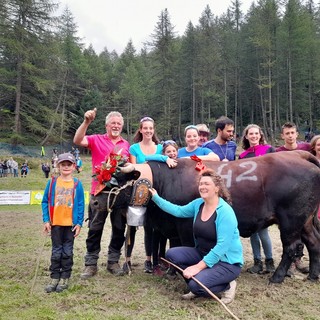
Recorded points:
(257,267)
(300,267)
(228,295)
(63,285)
(115,269)
(164,266)
(127,269)
(51,287)
(157,271)
(89,272)
(269,266)
(188,296)
(148,267)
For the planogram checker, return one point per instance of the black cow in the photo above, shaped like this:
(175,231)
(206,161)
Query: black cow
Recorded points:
(279,188)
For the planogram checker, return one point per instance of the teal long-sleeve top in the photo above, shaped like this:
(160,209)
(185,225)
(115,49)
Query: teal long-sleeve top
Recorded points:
(228,247)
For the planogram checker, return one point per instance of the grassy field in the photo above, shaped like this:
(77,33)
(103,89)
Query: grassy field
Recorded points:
(25,259)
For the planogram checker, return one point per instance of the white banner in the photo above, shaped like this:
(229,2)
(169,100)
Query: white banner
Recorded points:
(14,197)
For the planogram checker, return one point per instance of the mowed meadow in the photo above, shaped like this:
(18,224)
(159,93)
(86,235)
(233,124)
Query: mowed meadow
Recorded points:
(24,272)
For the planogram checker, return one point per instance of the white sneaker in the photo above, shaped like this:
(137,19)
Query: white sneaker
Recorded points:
(228,295)
(188,296)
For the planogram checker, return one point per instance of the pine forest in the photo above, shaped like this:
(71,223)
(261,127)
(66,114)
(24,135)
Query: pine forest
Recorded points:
(260,66)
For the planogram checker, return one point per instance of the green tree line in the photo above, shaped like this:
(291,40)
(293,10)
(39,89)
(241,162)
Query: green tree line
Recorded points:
(260,67)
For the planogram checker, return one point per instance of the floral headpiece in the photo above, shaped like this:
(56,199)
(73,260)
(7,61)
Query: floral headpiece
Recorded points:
(106,172)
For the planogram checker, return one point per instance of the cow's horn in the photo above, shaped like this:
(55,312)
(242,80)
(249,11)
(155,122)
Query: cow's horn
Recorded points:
(128,168)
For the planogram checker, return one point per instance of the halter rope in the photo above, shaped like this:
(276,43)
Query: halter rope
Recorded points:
(115,191)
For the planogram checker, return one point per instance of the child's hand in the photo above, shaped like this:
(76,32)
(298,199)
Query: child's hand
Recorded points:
(172,163)
(153,191)
(47,228)
(76,230)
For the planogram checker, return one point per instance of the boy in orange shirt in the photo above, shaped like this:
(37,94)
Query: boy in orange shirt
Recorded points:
(63,213)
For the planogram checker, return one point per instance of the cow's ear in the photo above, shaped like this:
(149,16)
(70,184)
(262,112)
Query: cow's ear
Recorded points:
(134,175)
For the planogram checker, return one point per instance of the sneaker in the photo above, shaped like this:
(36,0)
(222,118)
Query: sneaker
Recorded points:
(148,267)
(63,285)
(164,266)
(188,296)
(51,287)
(228,295)
(89,272)
(127,269)
(115,269)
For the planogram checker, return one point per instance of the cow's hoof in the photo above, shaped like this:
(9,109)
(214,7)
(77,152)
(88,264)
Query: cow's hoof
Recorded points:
(275,279)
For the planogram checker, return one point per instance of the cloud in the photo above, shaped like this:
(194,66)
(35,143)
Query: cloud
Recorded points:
(111,24)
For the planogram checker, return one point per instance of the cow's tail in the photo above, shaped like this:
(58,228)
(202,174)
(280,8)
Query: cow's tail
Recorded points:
(316,222)
(311,158)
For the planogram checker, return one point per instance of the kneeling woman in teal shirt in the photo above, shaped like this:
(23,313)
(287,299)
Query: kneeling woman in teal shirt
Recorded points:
(217,258)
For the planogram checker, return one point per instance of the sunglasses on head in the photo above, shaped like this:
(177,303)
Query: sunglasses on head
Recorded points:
(169,142)
(146,119)
(191,127)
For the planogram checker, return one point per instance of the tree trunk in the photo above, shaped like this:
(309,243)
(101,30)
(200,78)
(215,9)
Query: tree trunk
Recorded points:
(193,101)
(290,87)
(270,104)
(62,93)
(17,120)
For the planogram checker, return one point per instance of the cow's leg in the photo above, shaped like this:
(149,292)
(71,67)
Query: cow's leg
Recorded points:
(185,232)
(288,255)
(311,238)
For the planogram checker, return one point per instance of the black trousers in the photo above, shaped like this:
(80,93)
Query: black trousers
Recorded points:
(98,214)
(62,239)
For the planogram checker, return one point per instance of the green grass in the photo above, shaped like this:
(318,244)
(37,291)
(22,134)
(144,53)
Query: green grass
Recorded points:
(25,259)
(36,179)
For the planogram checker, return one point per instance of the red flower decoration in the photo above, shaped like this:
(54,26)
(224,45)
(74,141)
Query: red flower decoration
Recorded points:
(107,170)
(199,166)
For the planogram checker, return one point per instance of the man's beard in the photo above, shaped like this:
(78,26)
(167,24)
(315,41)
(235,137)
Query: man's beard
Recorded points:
(115,133)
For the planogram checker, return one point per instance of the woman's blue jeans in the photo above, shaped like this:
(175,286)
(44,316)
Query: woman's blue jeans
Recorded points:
(263,237)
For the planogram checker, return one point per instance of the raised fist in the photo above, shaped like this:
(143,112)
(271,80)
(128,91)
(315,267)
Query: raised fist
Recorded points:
(90,115)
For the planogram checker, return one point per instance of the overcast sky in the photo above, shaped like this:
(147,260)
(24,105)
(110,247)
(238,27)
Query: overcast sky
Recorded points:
(112,23)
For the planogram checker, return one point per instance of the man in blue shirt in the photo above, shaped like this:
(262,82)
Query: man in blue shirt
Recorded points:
(222,144)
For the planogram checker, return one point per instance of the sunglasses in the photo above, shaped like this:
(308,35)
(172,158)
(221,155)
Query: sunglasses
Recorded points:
(146,119)
(169,143)
(191,127)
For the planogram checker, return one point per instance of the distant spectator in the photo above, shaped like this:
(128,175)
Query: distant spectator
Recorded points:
(1,168)
(5,168)
(15,168)
(46,169)
(76,153)
(55,170)
(78,164)
(24,170)
(43,152)
(9,166)
(54,153)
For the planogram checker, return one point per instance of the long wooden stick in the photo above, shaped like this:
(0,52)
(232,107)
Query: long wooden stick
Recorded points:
(205,288)
(37,264)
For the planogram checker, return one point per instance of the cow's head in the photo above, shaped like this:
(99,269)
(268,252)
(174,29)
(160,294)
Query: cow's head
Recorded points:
(118,192)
